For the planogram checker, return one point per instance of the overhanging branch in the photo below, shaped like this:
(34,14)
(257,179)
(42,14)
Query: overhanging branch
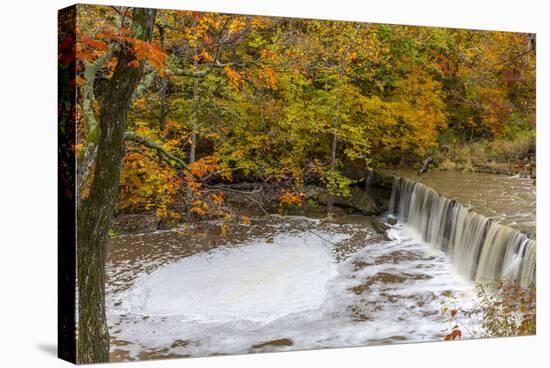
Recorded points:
(131,136)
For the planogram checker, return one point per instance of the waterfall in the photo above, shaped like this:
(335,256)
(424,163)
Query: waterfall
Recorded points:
(479,248)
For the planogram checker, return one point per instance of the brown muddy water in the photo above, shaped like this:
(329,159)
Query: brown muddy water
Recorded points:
(290,283)
(509,200)
(282,283)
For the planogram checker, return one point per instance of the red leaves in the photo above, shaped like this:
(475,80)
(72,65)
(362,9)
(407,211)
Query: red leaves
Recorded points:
(87,48)
(455,334)
(134,64)
(66,51)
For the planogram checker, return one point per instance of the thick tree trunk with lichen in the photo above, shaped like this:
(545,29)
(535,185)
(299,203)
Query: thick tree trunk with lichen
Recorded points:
(163,84)
(96,210)
(195,106)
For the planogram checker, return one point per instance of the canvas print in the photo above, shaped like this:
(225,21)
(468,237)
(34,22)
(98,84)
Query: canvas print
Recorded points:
(234,184)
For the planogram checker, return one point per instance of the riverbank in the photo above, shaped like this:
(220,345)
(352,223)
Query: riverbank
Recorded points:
(369,197)
(501,156)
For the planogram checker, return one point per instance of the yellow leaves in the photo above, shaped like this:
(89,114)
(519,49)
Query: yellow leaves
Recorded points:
(234,77)
(146,184)
(204,56)
(77,148)
(236,26)
(238,154)
(199,211)
(140,103)
(224,229)
(213,136)
(245,220)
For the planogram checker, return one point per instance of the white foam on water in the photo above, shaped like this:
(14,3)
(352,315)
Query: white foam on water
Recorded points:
(258,282)
(232,300)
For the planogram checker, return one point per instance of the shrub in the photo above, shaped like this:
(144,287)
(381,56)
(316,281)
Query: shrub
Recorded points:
(504,309)
(508,311)
(447,165)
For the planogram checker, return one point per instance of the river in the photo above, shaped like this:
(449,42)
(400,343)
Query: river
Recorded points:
(284,283)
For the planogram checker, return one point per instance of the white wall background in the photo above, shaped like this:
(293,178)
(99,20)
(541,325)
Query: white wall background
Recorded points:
(28,180)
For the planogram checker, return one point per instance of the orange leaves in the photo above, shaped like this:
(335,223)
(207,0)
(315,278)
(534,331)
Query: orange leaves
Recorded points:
(217,198)
(77,148)
(234,77)
(259,22)
(268,75)
(269,55)
(149,52)
(80,81)
(204,166)
(198,210)
(289,198)
(93,44)
(88,49)
(245,220)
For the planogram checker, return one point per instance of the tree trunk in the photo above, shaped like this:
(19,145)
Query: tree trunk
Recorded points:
(195,107)
(336,121)
(96,210)
(163,85)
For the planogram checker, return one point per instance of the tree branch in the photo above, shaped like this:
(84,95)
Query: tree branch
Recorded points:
(131,136)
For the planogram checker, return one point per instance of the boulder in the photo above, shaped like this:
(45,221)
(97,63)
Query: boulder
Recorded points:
(359,200)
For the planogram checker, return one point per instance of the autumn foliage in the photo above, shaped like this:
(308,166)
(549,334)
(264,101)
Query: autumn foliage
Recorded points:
(249,98)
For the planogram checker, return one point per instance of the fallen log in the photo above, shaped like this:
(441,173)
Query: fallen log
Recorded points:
(425,166)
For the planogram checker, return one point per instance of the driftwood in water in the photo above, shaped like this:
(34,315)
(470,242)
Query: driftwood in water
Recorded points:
(425,165)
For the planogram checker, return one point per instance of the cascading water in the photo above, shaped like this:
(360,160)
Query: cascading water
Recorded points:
(480,248)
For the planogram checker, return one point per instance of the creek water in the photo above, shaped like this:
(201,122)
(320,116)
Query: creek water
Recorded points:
(508,200)
(283,283)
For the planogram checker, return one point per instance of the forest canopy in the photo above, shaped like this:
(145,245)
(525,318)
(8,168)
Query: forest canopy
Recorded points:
(228,98)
